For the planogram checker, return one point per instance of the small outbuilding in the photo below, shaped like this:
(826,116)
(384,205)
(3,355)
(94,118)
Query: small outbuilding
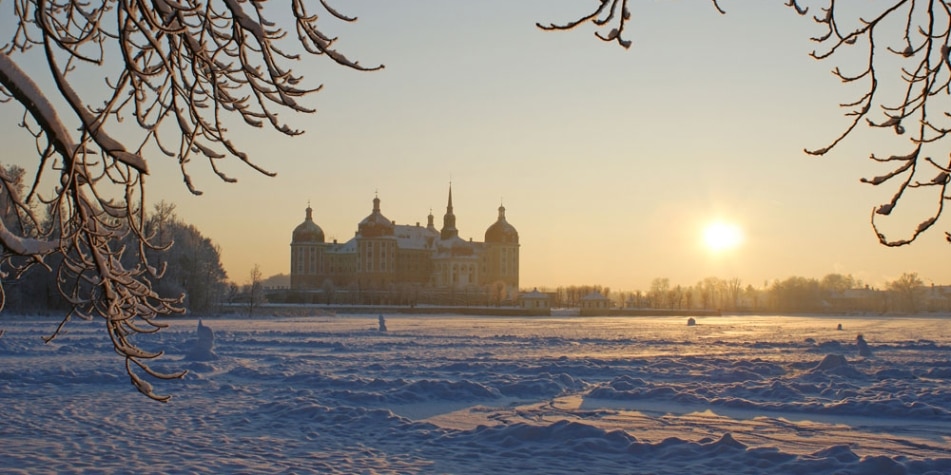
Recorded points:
(594,304)
(535,300)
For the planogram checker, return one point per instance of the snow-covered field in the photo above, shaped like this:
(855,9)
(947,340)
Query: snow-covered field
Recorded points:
(449,394)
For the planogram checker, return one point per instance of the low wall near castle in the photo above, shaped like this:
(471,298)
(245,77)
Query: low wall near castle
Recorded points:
(323,310)
(646,312)
(290,309)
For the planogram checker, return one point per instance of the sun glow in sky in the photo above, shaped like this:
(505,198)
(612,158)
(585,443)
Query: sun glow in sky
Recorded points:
(606,159)
(721,236)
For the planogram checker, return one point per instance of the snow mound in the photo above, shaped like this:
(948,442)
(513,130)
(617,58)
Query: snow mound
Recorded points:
(204,347)
(832,362)
(836,364)
(562,436)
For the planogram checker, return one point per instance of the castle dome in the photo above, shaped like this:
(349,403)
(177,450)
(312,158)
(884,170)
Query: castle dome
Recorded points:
(375,225)
(308,231)
(501,231)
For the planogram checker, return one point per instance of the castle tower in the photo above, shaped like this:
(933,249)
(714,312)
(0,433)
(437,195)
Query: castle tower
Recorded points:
(376,250)
(449,230)
(501,256)
(430,225)
(307,250)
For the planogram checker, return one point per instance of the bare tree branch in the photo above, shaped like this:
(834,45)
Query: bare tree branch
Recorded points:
(609,13)
(181,70)
(920,51)
(904,43)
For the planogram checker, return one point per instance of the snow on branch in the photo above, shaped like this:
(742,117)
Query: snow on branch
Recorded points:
(25,91)
(903,52)
(173,74)
(612,14)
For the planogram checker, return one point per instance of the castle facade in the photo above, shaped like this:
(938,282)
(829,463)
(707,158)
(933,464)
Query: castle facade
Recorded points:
(385,258)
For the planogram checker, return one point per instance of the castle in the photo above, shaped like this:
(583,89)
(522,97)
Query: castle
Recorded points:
(386,262)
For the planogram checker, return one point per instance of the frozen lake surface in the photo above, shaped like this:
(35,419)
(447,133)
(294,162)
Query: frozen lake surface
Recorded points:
(451,394)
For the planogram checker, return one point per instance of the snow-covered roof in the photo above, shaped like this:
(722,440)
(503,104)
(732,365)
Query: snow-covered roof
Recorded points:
(414,237)
(534,295)
(349,247)
(456,247)
(452,242)
(594,296)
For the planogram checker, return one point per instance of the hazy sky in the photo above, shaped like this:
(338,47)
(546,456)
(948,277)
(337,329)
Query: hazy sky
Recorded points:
(610,163)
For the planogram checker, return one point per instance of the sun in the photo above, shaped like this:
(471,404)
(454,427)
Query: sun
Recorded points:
(721,236)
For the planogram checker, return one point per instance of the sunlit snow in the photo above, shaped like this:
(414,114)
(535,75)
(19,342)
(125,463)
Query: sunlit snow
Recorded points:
(451,394)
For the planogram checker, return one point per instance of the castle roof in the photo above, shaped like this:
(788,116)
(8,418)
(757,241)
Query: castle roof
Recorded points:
(308,231)
(349,247)
(501,231)
(375,225)
(455,247)
(415,237)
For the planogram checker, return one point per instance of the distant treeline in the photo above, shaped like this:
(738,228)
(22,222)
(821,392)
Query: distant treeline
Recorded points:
(186,263)
(189,264)
(834,293)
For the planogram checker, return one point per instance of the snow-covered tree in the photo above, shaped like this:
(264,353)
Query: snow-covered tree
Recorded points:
(907,290)
(171,75)
(194,262)
(255,289)
(659,293)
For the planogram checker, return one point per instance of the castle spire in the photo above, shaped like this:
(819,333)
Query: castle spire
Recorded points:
(449,220)
(449,207)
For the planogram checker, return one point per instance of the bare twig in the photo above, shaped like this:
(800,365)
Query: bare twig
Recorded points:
(185,69)
(613,14)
